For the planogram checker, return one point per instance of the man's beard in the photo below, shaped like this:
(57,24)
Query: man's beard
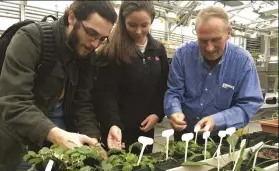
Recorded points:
(74,40)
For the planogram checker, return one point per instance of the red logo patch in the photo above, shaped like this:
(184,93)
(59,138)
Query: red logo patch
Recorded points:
(157,59)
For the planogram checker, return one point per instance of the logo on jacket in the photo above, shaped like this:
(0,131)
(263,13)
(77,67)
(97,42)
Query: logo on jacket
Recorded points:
(157,59)
(227,86)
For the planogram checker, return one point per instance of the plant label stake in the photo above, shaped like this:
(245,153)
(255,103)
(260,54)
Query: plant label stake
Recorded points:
(221,134)
(230,131)
(242,144)
(196,130)
(49,165)
(256,148)
(187,137)
(218,157)
(144,141)
(167,134)
(205,136)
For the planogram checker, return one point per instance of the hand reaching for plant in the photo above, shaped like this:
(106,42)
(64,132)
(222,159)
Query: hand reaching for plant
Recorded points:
(177,121)
(149,122)
(68,139)
(205,121)
(115,138)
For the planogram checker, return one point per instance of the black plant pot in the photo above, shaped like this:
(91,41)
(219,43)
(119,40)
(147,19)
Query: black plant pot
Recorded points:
(92,162)
(271,100)
(137,168)
(166,165)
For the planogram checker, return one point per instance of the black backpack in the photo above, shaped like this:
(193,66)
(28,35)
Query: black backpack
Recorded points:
(48,49)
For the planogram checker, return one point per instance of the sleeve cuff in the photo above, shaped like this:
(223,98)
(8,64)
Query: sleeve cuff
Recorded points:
(219,119)
(173,110)
(40,136)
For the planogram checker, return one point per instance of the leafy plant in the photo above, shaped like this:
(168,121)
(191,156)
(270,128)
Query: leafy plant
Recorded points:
(127,161)
(232,140)
(195,152)
(80,158)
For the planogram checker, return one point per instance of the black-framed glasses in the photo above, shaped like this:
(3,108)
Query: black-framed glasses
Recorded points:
(93,35)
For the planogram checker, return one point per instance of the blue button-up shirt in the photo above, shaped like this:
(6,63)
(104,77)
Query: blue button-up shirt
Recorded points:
(230,92)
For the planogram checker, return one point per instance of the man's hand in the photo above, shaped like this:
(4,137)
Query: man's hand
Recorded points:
(115,138)
(149,122)
(177,121)
(206,121)
(68,139)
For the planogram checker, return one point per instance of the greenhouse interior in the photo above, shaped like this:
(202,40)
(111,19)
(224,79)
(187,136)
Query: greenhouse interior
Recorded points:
(182,92)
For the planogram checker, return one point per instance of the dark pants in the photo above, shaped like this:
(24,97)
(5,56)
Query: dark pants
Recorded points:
(200,140)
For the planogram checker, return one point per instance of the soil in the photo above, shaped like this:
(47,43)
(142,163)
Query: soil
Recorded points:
(171,163)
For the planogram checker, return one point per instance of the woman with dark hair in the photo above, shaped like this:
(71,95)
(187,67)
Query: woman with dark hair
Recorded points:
(131,83)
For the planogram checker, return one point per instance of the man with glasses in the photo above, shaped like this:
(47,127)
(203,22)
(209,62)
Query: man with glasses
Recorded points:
(212,83)
(58,109)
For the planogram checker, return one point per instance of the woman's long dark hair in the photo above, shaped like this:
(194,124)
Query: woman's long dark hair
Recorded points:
(122,46)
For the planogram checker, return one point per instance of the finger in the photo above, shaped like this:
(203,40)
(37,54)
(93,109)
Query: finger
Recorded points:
(202,124)
(102,152)
(71,145)
(87,140)
(178,121)
(175,124)
(177,127)
(147,126)
(117,135)
(145,121)
(123,145)
(113,143)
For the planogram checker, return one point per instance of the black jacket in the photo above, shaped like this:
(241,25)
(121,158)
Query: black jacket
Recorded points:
(127,93)
(24,105)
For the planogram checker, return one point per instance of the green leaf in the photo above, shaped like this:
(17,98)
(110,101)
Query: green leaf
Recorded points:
(194,156)
(115,151)
(59,151)
(136,144)
(232,140)
(75,154)
(82,157)
(131,157)
(35,161)
(32,153)
(86,168)
(26,157)
(106,166)
(151,166)
(240,160)
(258,169)
(127,167)
(44,150)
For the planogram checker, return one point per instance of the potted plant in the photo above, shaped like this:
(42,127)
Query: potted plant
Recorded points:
(119,160)
(270,125)
(80,158)
(195,154)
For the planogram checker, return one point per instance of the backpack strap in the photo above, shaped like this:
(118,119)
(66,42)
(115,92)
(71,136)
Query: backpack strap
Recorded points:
(48,51)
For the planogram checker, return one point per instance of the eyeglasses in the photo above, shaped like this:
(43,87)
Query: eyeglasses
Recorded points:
(93,35)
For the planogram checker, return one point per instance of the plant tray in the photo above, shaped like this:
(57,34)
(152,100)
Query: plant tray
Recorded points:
(224,160)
